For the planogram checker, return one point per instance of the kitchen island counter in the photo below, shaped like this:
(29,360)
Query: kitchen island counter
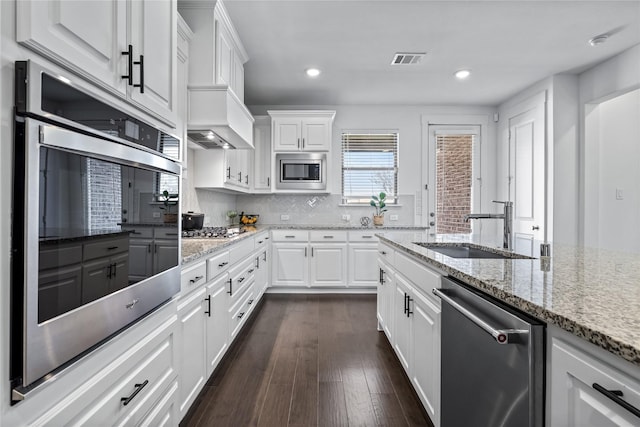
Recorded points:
(591,293)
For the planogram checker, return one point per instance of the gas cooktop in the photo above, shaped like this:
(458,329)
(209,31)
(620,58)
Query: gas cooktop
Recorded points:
(213,232)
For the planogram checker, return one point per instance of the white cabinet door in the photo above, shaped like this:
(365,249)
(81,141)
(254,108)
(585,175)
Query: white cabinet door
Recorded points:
(224,55)
(290,264)
(216,306)
(141,265)
(328,264)
(70,33)
(238,77)
(425,339)
(402,322)
(242,164)
(262,272)
(192,348)
(575,401)
(262,155)
(316,134)
(362,265)
(287,133)
(153,36)
(165,254)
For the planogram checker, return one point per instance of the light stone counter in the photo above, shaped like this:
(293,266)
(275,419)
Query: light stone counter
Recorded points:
(592,293)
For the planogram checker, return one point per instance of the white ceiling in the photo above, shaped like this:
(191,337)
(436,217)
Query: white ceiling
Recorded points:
(508,45)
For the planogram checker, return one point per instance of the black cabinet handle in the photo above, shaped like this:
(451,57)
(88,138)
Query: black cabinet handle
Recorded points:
(382,277)
(289,237)
(383,252)
(246,179)
(126,400)
(311,250)
(240,315)
(230,291)
(141,64)
(258,262)
(305,252)
(149,248)
(405,303)
(196,279)
(616,396)
(250,302)
(208,298)
(268,182)
(328,237)
(265,256)
(409,301)
(250,271)
(239,176)
(260,242)
(222,264)
(129,75)
(240,280)
(171,234)
(229,172)
(111,248)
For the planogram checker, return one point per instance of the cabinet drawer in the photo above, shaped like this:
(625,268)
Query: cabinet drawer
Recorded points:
(261,240)
(387,253)
(241,275)
(165,233)
(328,236)
(193,276)
(217,264)
(240,250)
(105,247)
(363,236)
(140,232)
(423,278)
(241,311)
(290,235)
(54,256)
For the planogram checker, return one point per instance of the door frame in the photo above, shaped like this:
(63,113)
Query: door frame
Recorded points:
(423,194)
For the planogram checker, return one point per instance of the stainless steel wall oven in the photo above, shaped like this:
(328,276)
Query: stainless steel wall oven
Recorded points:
(86,177)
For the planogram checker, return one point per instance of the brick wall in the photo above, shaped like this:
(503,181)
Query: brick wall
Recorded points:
(453,180)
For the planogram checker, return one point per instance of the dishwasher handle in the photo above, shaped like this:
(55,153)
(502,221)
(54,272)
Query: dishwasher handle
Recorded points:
(502,336)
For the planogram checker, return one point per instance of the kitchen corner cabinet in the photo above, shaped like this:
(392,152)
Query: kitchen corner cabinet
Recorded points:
(584,382)
(405,301)
(301,130)
(69,34)
(262,158)
(219,168)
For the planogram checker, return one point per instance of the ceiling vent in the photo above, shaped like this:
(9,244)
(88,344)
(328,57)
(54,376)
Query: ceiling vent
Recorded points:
(407,58)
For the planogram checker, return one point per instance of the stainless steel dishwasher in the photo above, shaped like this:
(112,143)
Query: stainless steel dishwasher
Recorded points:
(492,361)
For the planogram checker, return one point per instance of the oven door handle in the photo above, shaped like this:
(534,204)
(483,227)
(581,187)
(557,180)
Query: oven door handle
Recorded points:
(502,336)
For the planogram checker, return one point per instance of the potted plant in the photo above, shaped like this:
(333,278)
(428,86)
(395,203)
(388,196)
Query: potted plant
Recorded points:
(381,207)
(169,201)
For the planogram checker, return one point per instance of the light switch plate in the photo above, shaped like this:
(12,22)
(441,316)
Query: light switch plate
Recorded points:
(284,217)
(346,217)
(393,217)
(619,194)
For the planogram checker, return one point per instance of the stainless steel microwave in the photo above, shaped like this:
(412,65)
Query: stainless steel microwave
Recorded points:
(301,171)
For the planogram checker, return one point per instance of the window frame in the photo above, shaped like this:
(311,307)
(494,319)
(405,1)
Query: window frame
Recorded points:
(363,200)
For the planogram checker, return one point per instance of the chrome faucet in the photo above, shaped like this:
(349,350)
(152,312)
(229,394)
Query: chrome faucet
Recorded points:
(507,215)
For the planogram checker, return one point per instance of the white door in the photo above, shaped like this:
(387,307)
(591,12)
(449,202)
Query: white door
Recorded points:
(217,317)
(388,307)
(527,174)
(402,322)
(362,264)
(150,20)
(70,33)
(262,155)
(286,134)
(328,264)
(290,264)
(315,134)
(454,178)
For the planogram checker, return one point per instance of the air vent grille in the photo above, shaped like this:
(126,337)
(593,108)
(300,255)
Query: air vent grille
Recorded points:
(407,58)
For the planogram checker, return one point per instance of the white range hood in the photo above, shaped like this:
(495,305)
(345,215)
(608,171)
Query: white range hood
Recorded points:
(216,77)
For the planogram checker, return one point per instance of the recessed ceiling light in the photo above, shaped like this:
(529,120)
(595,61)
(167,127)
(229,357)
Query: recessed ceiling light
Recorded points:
(225,145)
(462,74)
(211,136)
(597,40)
(312,72)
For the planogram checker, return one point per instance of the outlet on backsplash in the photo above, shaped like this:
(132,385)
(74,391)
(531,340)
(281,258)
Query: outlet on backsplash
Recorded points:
(346,217)
(284,217)
(393,217)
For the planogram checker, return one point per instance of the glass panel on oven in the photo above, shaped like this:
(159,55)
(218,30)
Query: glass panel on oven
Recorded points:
(102,227)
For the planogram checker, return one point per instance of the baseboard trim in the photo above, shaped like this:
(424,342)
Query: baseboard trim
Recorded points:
(305,290)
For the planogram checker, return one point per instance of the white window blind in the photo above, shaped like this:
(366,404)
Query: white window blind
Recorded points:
(369,166)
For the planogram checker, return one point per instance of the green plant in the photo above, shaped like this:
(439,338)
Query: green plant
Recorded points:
(378,203)
(168,200)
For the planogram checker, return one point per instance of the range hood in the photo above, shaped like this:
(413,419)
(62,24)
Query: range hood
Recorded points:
(215,89)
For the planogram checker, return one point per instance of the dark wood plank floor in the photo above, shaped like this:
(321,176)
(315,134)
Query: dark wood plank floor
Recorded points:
(310,360)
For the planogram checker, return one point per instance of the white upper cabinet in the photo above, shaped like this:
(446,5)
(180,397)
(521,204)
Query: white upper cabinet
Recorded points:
(262,158)
(114,51)
(301,130)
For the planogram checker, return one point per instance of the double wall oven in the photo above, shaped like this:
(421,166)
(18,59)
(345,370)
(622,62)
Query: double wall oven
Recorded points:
(86,177)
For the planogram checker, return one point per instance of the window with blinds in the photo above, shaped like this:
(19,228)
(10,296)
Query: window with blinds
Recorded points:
(369,166)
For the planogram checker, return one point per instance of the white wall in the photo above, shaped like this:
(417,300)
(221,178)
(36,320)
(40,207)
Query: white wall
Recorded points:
(618,75)
(613,163)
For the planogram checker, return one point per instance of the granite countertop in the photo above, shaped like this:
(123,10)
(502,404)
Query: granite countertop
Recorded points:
(196,248)
(592,293)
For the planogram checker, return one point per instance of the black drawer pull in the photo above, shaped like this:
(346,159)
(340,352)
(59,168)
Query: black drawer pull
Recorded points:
(111,248)
(250,302)
(250,271)
(240,280)
(208,298)
(170,234)
(125,400)
(328,237)
(240,315)
(222,264)
(289,237)
(405,303)
(367,237)
(409,301)
(616,396)
(383,252)
(196,279)
(230,292)
(260,241)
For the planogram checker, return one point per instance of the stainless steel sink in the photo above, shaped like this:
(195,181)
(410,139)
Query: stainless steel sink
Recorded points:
(469,251)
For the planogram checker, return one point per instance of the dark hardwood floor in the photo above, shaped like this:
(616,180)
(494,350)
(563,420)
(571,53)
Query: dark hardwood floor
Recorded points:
(310,360)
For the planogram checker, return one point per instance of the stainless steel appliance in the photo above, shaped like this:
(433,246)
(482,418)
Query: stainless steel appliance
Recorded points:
(301,171)
(492,361)
(192,221)
(83,170)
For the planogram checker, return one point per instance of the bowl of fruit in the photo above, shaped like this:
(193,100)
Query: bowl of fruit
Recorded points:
(248,219)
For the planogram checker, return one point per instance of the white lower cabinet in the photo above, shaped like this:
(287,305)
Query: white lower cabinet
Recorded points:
(216,305)
(362,261)
(328,264)
(410,318)
(192,347)
(165,412)
(289,263)
(588,387)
